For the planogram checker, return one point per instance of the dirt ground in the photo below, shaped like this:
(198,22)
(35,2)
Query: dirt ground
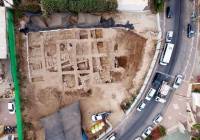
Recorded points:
(45,93)
(196,87)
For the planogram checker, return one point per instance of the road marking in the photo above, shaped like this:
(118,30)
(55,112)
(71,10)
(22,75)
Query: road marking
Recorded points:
(189,57)
(165,74)
(195,54)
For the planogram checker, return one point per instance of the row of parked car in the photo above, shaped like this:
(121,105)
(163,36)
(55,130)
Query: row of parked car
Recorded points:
(149,129)
(190,26)
(152,92)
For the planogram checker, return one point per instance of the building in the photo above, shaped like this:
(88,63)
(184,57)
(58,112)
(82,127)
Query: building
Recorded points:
(3,35)
(132,5)
(8,3)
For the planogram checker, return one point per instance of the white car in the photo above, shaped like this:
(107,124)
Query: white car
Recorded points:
(157,119)
(11,107)
(141,106)
(147,132)
(100,116)
(138,138)
(169,36)
(161,100)
(178,80)
(111,137)
(150,94)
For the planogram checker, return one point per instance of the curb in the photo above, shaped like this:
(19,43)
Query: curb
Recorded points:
(152,66)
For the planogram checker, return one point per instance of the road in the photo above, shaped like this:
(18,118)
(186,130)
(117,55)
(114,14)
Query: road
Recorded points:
(181,63)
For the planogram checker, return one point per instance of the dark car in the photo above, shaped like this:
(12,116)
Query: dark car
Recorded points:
(169,12)
(190,31)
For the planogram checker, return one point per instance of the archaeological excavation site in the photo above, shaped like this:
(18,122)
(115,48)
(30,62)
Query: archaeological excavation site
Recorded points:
(95,66)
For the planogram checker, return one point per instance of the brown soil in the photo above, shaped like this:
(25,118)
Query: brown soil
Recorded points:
(38,102)
(196,87)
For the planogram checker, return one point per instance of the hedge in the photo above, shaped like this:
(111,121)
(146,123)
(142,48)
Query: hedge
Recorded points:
(158,5)
(76,6)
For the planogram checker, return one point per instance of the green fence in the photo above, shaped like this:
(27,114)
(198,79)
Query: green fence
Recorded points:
(11,44)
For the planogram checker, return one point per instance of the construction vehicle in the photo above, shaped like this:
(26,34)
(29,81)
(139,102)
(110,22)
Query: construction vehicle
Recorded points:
(163,92)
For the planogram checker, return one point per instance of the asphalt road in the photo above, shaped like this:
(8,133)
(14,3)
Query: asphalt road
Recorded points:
(180,63)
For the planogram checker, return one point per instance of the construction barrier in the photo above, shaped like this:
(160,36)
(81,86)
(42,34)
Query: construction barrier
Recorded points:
(11,44)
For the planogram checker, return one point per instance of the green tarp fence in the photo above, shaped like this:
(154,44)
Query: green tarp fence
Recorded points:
(11,44)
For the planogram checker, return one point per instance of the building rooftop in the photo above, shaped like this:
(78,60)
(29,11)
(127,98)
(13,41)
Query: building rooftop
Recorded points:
(3,39)
(132,5)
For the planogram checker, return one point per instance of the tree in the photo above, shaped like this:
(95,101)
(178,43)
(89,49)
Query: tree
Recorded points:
(159,5)
(196,126)
(162,130)
(76,6)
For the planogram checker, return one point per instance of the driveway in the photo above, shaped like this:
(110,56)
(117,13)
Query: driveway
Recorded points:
(5,117)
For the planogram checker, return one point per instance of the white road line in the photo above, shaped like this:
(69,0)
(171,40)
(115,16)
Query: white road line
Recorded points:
(192,44)
(188,60)
(165,74)
(195,54)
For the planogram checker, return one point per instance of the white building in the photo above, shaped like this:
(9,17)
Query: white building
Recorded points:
(3,35)
(132,5)
(8,3)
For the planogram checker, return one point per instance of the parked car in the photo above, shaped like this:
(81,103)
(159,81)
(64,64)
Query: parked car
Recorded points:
(161,100)
(141,106)
(157,119)
(178,80)
(169,36)
(150,94)
(11,107)
(112,136)
(9,129)
(138,138)
(190,31)
(100,116)
(169,12)
(147,132)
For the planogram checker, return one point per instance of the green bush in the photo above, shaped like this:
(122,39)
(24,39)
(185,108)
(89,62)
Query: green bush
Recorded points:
(159,5)
(149,138)
(18,13)
(126,104)
(34,8)
(76,6)
(196,138)
(196,126)
(162,130)
(196,90)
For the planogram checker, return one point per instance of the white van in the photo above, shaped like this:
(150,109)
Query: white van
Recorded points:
(150,94)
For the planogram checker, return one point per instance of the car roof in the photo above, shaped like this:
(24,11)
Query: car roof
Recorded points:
(170,33)
(158,116)
(179,78)
(10,105)
(151,91)
(148,129)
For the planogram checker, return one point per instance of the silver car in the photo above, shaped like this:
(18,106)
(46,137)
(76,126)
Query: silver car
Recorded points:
(169,36)
(157,119)
(178,80)
(147,132)
(141,106)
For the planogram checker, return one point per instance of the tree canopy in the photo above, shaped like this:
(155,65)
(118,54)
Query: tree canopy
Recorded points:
(76,6)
